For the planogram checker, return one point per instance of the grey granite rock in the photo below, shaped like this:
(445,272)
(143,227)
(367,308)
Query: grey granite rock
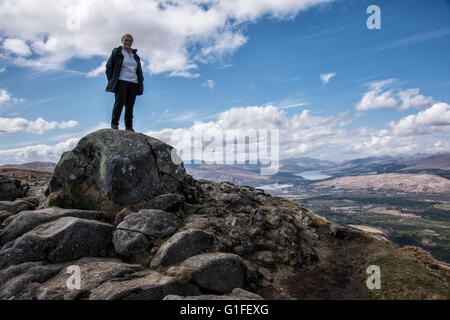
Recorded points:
(62,240)
(219,272)
(183,245)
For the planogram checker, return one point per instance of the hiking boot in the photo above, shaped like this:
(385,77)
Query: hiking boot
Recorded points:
(129,129)
(114,126)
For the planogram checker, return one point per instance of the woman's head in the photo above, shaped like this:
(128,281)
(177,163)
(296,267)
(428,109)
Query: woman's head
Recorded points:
(127,40)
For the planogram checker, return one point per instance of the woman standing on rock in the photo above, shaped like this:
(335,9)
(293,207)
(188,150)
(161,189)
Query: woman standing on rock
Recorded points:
(125,79)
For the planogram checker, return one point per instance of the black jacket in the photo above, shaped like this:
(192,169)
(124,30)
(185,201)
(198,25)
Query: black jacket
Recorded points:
(114,65)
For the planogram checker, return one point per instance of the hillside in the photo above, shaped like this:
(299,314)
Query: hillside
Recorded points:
(400,182)
(439,161)
(35,166)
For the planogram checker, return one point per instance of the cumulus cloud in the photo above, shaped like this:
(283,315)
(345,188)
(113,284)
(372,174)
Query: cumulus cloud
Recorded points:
(306,134)
(325,77)
(17,46)
(40,152)
(421,132)
(5,97)
(9,126)
(412,99)
(380,98)
(298,134)
(379,142)
(433,120)
(172,36)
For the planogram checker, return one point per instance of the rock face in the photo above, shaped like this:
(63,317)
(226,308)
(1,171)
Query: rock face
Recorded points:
(182,246)
(146,285)
(11,189)
(218,272)
(111,169)
(27,220)
(178,238)
(62,240)
(137,232)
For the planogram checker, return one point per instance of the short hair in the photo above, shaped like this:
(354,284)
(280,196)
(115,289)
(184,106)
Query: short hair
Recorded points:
(127,35)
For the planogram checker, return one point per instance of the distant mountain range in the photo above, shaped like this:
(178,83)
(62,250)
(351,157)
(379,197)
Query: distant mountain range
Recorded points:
(33,166)
(297,170)
(291,169)
(438,164)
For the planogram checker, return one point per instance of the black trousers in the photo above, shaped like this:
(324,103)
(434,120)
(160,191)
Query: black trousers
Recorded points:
(125,95)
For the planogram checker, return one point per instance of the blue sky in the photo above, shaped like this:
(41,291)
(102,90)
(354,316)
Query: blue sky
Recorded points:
(334,88)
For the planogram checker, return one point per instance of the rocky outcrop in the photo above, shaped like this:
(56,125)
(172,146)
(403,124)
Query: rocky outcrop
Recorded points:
(11,189)
(28,196)
(182,246)
(28,220)
(144,285)
(40,280)
(178,238)
(138,231)
(65,239)
(218,272)
(109,170)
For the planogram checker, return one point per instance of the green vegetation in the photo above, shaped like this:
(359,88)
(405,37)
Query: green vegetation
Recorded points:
(402,276)
(430,229)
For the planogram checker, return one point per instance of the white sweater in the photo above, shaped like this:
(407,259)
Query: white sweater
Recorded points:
(129,65)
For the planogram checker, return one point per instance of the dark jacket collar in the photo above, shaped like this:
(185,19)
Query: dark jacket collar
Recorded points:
(118,50)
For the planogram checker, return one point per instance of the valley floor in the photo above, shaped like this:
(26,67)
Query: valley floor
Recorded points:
(421,220)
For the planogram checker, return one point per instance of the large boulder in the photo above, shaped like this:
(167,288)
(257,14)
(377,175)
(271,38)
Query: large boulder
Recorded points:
(28,220)
(43,281)
(23,280)
(110,169)
(19,205)
(142,285)
(93,272)
(65,239)
(10,189)
(216,271)
(183,245)
(135,234)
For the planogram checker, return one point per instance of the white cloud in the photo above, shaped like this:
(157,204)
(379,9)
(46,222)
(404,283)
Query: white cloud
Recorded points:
(208,83)
(305,134)
(177,36)
(295,105)
(17,46)
(380,98)
(9,126)
(97,71)
(5,97)
(299,134)
(433,120)
(40,152)
(325,77)
(412,99)
(376,99)
(421,132)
